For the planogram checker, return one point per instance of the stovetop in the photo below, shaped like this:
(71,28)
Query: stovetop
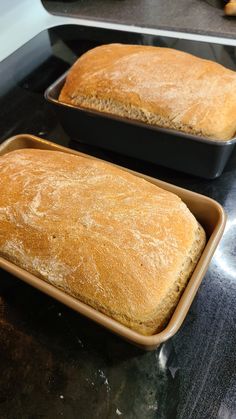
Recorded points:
(53,362)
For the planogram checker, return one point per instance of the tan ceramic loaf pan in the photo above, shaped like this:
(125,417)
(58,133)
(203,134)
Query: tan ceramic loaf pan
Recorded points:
(208,212)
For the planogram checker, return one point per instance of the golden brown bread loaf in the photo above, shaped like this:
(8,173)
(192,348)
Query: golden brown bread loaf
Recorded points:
(109,238)
(159,86)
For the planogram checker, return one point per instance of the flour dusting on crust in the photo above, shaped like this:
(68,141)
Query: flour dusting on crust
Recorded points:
(100,233)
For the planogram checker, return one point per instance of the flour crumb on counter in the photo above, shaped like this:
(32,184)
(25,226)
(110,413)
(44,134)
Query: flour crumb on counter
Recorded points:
(153,406)
(80,342)
(105,380)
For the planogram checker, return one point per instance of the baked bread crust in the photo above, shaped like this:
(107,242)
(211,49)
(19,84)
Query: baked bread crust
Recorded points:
(230,8)
(109,238)
(158,86)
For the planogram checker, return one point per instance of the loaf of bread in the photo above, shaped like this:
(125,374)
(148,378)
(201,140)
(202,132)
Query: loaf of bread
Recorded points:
(111,239)
(230,8)
(158,86)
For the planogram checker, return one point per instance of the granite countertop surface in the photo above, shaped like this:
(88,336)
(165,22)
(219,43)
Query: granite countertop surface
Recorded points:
(54,363)
(194,16)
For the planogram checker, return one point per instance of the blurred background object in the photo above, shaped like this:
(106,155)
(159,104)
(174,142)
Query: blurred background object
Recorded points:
(230,8)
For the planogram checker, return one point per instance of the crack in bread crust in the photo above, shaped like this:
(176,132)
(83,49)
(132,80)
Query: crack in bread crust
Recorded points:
(134,113)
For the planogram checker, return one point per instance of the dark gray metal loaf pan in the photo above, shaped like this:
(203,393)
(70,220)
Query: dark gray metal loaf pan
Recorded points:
(170,148)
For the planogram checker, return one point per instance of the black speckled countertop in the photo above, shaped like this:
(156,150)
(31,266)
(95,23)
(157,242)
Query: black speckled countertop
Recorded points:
(195,16)
(53,362)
